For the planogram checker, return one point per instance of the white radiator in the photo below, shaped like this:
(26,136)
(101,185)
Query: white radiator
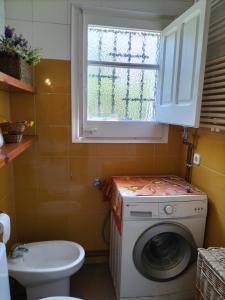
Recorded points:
(213,102)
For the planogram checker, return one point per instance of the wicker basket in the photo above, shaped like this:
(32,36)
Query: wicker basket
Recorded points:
(16,67)
(12,138)
(13,132)
(211,274)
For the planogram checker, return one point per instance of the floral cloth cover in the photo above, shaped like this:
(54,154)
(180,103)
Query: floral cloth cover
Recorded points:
(137,186)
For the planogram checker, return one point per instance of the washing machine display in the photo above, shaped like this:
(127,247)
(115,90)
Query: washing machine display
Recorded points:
(164,251)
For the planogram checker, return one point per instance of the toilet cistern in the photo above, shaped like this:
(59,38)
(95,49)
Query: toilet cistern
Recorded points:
(18,250)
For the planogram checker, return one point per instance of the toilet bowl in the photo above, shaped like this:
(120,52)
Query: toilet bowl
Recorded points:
(60,298)
(46,267)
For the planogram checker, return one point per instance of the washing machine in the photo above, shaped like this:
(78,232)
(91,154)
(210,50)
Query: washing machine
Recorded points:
(154,242)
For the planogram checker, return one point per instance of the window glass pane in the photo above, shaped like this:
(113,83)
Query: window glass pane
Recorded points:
(121,45)
(120,94)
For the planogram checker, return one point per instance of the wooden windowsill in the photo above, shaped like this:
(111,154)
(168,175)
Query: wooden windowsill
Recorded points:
(10,151)
(12,84)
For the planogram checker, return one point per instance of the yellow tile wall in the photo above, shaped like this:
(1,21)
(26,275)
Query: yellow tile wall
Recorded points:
(7,203)
(55,198)
(210,177)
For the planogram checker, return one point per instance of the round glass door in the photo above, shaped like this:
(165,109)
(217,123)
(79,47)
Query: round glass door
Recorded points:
(164,251)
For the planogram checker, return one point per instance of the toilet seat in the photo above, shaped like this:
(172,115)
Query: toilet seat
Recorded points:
(60,298)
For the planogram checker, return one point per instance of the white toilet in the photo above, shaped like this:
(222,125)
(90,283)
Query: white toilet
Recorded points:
(4,279)
(60,298)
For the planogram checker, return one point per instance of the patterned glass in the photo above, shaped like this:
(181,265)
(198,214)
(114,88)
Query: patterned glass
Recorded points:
(112,96)
(121,93)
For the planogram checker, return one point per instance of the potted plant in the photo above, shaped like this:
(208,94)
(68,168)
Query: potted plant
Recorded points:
(16,55)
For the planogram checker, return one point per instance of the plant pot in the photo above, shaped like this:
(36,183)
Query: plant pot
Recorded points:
(12,138)
(16,67)
(12,132)
(13,127)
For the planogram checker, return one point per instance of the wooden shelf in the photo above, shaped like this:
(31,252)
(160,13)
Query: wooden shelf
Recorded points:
(11,151)
(12,84)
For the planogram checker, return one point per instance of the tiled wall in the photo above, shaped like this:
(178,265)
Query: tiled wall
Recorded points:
(210,177)
(7,203)
(46,23)
(2,16)
(54,193)
(55,198)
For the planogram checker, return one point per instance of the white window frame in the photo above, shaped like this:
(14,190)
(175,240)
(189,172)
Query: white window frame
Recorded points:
(153,132)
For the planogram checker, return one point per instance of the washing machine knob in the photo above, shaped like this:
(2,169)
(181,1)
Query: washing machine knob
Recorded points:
(168,209)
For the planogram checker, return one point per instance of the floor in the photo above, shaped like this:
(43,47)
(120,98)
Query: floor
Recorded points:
(92,282)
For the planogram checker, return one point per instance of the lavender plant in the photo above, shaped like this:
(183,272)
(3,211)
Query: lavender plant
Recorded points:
(16,45)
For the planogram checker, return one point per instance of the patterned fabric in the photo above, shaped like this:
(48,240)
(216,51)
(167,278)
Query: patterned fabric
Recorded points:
(111,193)
(138,186)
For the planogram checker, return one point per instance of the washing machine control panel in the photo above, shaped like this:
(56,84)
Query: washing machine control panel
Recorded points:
(182,209)
(164,209)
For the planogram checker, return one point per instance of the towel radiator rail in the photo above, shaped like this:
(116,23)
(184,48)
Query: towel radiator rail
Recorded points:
(213,101)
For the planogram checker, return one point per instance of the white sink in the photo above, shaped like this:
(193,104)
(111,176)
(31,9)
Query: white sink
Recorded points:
(45,269)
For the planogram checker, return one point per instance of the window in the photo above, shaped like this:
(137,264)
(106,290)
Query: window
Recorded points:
(120,59)
(116,91)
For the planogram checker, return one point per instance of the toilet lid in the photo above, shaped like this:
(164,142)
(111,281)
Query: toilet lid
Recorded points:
(60,298)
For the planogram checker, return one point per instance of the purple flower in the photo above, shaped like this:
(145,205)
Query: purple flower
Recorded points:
(24,43)
(20,41)
(17,39)
(9,32)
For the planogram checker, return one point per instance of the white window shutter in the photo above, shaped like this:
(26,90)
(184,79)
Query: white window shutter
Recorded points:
(182,65)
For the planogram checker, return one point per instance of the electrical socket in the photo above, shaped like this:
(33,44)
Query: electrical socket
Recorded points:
(196,159)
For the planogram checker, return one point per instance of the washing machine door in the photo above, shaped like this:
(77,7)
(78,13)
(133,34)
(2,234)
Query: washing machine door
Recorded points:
(164,251)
